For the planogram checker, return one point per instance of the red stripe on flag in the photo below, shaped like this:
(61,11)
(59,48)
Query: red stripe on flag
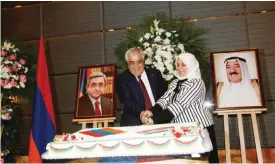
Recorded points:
(42,79)
(34,156)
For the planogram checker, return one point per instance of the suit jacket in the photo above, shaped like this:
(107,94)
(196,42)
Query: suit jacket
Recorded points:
(86,108)
(130,94)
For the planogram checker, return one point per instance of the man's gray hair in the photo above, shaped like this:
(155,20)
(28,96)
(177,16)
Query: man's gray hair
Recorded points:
(132,51)
(94,75)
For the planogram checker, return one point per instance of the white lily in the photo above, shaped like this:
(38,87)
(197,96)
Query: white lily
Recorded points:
(148,61)
(26,70)
(157,39)
(181,47)
(160,31)
(146,44)
(22,84)
(156,24)
(166,41)
(147,35)
(7,45)
(148,51)
(168,34)
(8,86)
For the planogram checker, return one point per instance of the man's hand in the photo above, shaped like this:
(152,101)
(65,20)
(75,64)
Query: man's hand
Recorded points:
(149,121)
(145,117)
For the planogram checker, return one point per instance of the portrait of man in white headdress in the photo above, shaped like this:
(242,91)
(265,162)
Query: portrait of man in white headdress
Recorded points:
(238,88)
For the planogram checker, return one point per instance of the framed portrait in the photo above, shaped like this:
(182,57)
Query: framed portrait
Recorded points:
(237,79)
(95,94)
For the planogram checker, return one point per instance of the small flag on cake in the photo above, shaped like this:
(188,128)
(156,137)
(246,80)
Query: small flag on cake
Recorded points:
(43,120)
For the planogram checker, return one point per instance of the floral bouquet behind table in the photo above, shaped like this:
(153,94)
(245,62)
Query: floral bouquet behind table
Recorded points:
(163,38)
(13,78)
(160,49)
(13,68)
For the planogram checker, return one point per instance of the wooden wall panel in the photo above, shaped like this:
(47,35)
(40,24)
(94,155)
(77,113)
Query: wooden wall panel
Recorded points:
(122,14)
(25,125)
(62,18)
(64,93)
(268,80)
(205,9)
(225,34)
(219,131)
(266,124)
(65,55)
(270,105)
(66,119)
(112,39)
(261,32)
(259,6)
(23,148)
(23,23)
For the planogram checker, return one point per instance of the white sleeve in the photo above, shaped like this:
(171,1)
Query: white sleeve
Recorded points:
(164,100)
(186,98)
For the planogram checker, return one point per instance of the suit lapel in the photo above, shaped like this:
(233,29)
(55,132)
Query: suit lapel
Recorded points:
(152,82)
(134,85)
(89,106)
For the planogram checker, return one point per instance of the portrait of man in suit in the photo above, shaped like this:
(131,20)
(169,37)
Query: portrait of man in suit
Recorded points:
(238,88)
(138,87)
(94,103)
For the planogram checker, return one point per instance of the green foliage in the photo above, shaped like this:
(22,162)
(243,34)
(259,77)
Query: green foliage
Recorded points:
(189,36)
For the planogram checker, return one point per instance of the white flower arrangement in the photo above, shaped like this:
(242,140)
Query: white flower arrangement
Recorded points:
(160,47)
(13,68)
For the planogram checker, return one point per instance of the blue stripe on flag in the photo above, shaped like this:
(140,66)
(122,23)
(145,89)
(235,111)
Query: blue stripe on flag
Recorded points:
(99,131)
(82,87)
(42,125)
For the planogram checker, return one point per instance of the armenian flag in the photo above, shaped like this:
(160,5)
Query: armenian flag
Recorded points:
(43,119)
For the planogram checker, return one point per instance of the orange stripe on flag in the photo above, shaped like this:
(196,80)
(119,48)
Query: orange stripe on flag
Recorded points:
(34,156)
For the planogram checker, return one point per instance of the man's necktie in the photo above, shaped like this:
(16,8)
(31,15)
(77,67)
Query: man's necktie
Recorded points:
(97,110)
(147,100)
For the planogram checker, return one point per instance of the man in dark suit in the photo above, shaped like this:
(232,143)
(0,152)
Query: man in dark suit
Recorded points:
(94,104)
(138,88)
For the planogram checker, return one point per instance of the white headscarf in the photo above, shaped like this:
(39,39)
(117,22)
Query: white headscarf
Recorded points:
(191,63)
(238,94)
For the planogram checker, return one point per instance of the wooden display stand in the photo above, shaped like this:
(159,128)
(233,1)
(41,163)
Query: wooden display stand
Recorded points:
(239,114)
(97,122)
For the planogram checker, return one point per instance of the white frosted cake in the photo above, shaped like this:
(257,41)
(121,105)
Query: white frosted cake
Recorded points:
(144,140)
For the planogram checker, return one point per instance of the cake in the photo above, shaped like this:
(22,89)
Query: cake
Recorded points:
(144,140)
